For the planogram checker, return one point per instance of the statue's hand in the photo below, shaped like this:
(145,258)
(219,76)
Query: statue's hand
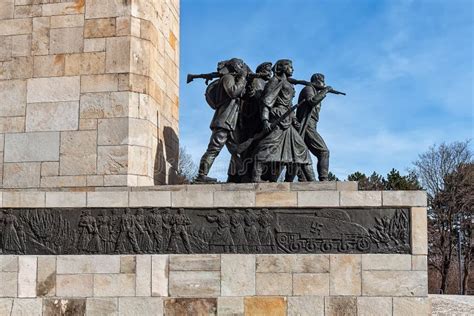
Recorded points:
(267,127)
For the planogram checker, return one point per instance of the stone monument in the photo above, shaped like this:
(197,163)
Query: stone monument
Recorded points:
(91,101)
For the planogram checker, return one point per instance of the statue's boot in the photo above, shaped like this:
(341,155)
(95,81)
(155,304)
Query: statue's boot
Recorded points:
(204,167)
(323,166)
(308,172)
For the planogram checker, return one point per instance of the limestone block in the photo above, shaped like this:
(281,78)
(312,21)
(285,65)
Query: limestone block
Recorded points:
(345,275)
(386,262)
(419,231)
(27,11)
(318,198)
(106,8)
(194,283)
(394,283)
(340,305)
(43,117)
(368,306)
(74,285)
(275,199)
(102,307)
(49,66)
(21,45)
(85,64)
(143,306)
(411,306)
(419,263)
(53,89)
(6,9)
(311,284)
(87,124)
(40,36)
(123,25)
(128,264)
(159,275)
(23,199)
(15,26)
(49,168)
(234,199)
(28,147)
(46,279)
(118,55)
(190,306)
(13,96)
(313,186)
(63,182)
(191,199)
(140,56)
(199,262)
(9,282)
(346,185)
(21,175)
(311,263)
(6,305)
(404,198)
(361,198)
(12,124)
(17,68)
(273,283)
(63,21)
(88,264)
(143,275)
(238,275)
(27,306)
(78,154)
(104,105)
(99,28)
(8,263)
(274,263)
(305,306)
(94,45)
(113,131)
(275,306)
(27,266)
(95,181)
(107,199)
(63,8)
(155,199)
(66,40)
(5,48)
(112,159)
(141,132)
(70,306)
(114,285)
(99,83)
(118,180)
(230,306)
(272,187)
(65,199)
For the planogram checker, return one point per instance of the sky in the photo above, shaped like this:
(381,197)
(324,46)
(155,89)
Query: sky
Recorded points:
(406,66)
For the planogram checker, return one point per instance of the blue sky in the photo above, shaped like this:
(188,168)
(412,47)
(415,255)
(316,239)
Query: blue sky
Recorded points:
(406,66)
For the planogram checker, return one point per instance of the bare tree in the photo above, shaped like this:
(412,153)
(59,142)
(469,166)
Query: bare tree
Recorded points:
(439,172)
(187,169)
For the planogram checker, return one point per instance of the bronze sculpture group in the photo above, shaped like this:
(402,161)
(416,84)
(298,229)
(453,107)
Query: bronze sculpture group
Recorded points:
(255,119)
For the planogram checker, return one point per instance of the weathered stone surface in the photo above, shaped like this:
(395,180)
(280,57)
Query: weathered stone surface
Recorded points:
(273,283)
(237,275)
(128,264)
(313,186)
(9,282)
(7,8)
(21,45)
(118,55)
(159,275)
(273,199)
(66,199)
(198,262)
(345,275)
(107,199)
(26,147)
(275,263)
(99,83)
(194,283)
(318,198)
(63,21)
(23,199)
(53,89)
(311,284)
(99,28)
(191,199)
(112,159)
(74,285)
(419,231)
(6,305)
(43,117)
(66,40)
(394,283)
(275,306)
(311,263)
(386,262)
(88,264)
(102,307)
(346,185)
(17,68)
(5,48)
(27,306)
(114,285)
(230,306)
(106,8)
(305,306)
(411,306)
(49,65)
(404,198)
(13,96)
(78,154)
(451,304)
(419,263)
(104,105)
(85,64)
(360,198)
(234,198)
(15,26)
(340,305)
(63,8)
(94,45)
(21,175)
(143,275)
(46,279)
(190,306)
(114,131)
(157,198)
(27,266)
(368,306)
(12,124)
(63,182)
(143,306)
(8,263)
(40,36)
(63,307)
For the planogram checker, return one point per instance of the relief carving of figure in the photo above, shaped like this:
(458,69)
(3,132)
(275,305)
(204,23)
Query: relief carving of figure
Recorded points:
(89,240)
(221,236)
(179,232)
(267,237)
(105,232)
(144,240)
(154,226)
(11,241)
(238,232)
(127,236)
(251,231)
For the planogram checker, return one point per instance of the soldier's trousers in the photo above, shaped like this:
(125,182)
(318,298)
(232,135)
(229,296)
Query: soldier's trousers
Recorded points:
(318,148)
(219,138)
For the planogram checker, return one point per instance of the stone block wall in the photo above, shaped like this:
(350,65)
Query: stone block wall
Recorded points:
(89,92)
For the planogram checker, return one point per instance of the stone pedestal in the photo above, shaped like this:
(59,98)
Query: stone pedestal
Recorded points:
(331,283)
(89,92)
